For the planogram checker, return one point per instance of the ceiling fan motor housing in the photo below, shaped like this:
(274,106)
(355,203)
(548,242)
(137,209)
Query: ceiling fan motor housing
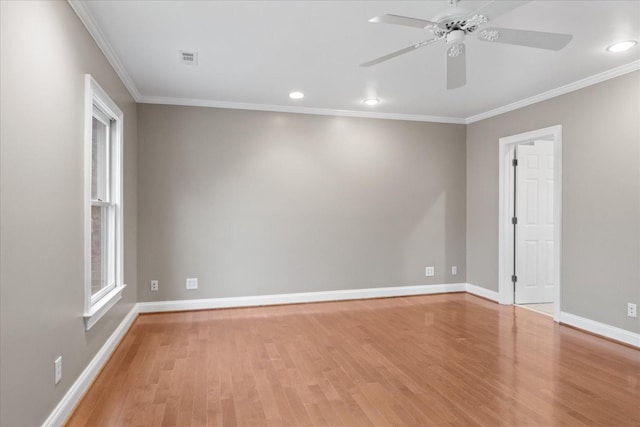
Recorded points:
(452,15)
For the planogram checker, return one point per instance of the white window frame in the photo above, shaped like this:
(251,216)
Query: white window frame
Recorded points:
(98,103)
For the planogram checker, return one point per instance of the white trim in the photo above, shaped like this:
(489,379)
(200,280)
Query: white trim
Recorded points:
(100,203)
(602,329)
(571,87)
(579,84)
(482,292)
(296,109)
(102,306)
(260,300)
(95,95)
(81,10)
(80,386)
(505,230)
(85,17)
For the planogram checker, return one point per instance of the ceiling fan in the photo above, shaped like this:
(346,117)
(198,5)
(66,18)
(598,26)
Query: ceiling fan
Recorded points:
(455,23)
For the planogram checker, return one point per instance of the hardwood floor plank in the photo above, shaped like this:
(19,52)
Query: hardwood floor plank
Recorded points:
(228,412)
(438,360)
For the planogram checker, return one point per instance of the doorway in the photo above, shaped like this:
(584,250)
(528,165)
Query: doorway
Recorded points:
(530,220)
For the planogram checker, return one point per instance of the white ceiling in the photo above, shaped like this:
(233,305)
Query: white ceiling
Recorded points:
(253,53)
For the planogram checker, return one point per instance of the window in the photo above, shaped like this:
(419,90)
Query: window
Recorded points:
(103,203)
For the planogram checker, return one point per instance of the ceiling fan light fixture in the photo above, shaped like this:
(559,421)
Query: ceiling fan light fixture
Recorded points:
(622,46)
(371,101)
(296,95)
(455,37)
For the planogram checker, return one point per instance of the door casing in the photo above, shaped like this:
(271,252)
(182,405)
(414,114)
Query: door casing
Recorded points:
(505,211)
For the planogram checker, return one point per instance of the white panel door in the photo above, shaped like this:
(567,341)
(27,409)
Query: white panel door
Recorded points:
(534,231)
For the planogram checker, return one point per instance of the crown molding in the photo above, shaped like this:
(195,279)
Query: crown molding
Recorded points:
(579,84)
(83,13)
(299,110)
(85,16)
(562,90)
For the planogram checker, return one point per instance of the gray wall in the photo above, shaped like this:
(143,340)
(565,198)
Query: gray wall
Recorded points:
(255,203)
(45,53)
(258,203)
(600,190)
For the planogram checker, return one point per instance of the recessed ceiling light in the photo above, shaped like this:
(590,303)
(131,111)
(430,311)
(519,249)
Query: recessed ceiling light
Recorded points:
(296,95)
(371,101)
(622,46)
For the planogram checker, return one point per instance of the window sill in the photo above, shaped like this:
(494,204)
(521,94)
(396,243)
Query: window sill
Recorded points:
(101,307)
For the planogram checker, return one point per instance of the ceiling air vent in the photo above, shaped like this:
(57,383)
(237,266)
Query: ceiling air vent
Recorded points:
(189,58)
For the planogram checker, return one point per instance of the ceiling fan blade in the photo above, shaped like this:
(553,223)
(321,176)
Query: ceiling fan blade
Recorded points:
(402,20)
(538,39)
(398,53)
(456,67)
(496,8)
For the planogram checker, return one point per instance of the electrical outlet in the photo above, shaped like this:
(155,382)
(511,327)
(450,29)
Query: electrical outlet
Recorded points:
(632,310)
(454,270)
(429,271)
(192,283)
(57,370)
(154,285)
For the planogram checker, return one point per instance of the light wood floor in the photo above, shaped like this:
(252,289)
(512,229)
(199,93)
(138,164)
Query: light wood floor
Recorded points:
(442,360)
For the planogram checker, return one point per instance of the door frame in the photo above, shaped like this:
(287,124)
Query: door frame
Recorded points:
(505,212)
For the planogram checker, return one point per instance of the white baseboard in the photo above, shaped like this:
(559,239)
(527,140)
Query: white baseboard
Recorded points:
(482,292)
(73,395)
(603,329)
(208,303)
(75,392)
